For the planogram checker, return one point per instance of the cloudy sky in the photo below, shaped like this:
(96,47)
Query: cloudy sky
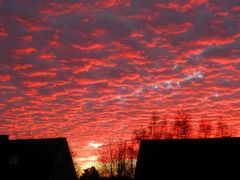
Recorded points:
(89,70)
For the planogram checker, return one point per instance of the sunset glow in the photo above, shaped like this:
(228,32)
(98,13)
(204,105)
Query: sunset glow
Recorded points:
(92,70)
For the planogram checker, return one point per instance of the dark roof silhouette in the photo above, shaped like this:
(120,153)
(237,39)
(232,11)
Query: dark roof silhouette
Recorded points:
(36,159)
(189,159)
(3,137)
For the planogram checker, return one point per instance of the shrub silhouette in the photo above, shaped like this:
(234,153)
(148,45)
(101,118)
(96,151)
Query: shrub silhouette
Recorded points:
(90,174)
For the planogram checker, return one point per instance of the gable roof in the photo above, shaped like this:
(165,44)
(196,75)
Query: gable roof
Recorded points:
(36,159)
(188,159)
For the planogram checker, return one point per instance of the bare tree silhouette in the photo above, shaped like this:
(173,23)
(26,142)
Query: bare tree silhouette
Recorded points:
(157,129)
(182,126)
(222,129)
(107,159)
(132,154)
(161,130)
(205,129)
(152,125)
(140,134)
(117,159)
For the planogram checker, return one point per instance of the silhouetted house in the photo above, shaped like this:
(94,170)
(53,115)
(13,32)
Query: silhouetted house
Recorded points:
(3,137)
(189,159)
(36,159)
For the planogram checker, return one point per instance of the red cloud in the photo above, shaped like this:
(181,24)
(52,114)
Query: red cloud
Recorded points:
(30,92)
(22,67)
(55,41)
(57,94)
(98,32)
(3,32)
(88,64)
(4,77)
(15,98)
(42,73)
(59,83)
(221,13)
(236,8)
(145,15)
(35,28)
(111,3)
(83,68)
(215,41)
(137,35)
(172,28)
(127,55)
(89,81)
(25,51)
(33,84)
(175,6)
(187,53)
(99,62)
(8,87)
(58,9)
(191,3)
(129,76)
(88,48)
(181,7)
(27,38)
(46,56)
(31,25)
(225,60)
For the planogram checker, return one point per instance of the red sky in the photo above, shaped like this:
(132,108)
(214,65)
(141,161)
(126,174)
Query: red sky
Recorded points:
(89,70)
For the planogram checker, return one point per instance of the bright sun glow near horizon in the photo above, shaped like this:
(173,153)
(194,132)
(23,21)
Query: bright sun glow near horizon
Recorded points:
(86,162)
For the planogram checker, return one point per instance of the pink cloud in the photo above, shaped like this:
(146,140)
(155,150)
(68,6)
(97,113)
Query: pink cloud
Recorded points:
(42,73)
(31,25)
(84,68)
(25,51)
(4,77)
(215,41)
(58,9)
(191,3)
(22,67)
(2,105)
(33,84)
(89,81)
(112,3)
(9,87)
(136,35)
(221,13)
(15,99)
(59,83)
(225,60)
(3,32)
(98,32)
(172,28)
(88,48)
(175,6)
(236,8)
(46,56)
(27,38)
(182,7)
